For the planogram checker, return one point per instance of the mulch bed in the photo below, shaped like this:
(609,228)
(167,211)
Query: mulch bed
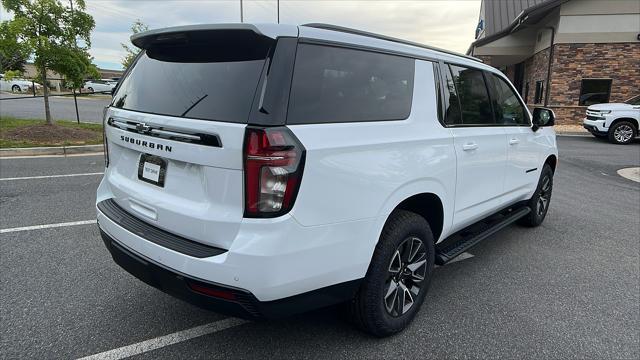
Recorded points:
(51,134)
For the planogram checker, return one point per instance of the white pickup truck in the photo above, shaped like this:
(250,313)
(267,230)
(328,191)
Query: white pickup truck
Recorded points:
(616,121)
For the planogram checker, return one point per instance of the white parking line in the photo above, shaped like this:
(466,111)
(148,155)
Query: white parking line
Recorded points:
(49,176)
(47,226)
(50,156)
(166,340)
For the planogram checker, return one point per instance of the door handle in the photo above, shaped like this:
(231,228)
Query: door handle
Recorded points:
(513,141)
(469,146)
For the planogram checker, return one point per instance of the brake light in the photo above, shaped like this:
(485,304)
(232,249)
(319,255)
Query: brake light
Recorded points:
(273,163)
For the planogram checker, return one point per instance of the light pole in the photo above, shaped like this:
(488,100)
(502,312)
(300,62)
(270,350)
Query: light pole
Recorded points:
(278,6)
(241,15)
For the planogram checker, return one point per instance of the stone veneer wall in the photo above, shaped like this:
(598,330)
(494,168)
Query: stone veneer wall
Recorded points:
(574,62)
(535,69)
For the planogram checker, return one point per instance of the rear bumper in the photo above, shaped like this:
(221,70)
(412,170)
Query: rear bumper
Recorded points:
(236,302)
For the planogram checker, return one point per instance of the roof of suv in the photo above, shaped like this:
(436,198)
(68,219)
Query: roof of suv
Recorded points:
(314,31)
(384,37)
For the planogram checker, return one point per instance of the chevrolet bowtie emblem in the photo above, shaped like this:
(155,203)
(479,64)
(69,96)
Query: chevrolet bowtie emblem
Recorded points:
(142,127)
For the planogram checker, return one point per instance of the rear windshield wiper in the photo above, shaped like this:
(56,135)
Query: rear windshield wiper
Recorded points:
(194,105)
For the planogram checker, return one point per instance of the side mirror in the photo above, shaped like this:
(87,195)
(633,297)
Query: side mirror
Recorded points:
(543,117)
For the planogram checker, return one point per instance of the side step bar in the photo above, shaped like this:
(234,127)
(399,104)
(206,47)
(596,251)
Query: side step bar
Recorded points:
(450,250)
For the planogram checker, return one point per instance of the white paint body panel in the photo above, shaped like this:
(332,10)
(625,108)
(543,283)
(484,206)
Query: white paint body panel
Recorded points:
(355,174)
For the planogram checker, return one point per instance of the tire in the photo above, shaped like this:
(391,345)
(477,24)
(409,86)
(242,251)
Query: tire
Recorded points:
(390,276)
(622,133)
(15,88)
(541,199)
(90,89)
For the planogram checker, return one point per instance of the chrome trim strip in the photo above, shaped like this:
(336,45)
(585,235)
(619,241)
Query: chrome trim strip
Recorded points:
(165,133)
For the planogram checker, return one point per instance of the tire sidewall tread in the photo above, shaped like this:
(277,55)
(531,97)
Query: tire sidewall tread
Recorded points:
(367,308)
(532,219)
(612,129)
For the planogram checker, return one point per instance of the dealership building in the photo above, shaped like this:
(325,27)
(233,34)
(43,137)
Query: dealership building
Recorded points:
(563,54)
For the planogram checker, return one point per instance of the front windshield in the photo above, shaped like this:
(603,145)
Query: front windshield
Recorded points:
(634,100)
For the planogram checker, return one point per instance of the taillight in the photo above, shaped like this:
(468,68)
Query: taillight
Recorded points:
(273,163)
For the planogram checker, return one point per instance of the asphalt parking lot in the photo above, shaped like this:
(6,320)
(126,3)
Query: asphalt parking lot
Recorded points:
(567,289)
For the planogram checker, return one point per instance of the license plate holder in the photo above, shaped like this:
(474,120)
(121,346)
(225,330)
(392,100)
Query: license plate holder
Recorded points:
(152,169)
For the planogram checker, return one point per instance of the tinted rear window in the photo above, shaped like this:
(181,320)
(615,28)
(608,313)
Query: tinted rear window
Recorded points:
(474,99)
(332,84)
(210,82)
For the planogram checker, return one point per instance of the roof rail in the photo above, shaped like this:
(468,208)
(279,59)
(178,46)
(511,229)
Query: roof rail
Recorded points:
(384,37)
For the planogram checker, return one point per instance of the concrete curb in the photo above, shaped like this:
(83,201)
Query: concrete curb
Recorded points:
(54,150)
(632,173)
(573,134)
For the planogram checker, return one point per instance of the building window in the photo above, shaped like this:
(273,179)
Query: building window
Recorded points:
(539,90)
(594,91)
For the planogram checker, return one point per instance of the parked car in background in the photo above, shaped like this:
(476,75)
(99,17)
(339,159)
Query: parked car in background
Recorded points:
(619,122)
(18,85)
(104,85)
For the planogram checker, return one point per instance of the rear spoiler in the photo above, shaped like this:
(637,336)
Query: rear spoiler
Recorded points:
(145,40)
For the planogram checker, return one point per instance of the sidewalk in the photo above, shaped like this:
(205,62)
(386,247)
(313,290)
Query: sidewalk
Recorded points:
(570,130)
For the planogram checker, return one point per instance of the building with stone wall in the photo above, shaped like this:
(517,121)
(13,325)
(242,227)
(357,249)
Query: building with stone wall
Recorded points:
(563,54)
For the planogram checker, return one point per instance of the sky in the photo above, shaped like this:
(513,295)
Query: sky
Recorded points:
(445,24)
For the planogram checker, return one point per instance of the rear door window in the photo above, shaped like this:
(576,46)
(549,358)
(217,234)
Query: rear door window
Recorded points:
(332,85)
(452,115)
(474,98)
(207,82)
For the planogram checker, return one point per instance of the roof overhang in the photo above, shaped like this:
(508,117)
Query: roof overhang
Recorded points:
(527,17)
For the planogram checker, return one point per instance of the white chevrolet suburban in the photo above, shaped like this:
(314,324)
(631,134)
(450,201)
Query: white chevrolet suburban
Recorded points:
(617,122)
(265,170)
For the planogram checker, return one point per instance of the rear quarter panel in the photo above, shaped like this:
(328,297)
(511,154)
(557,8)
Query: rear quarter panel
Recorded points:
(363,170)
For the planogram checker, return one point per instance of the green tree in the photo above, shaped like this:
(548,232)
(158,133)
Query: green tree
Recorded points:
(13,53)
(51,30)
(137,27)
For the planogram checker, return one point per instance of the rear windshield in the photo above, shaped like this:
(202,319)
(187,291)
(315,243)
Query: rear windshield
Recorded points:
(332,84)
(208,82)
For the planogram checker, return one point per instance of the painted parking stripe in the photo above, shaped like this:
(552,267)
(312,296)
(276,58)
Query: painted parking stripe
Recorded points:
(47,226)
(50,156)
(166,340)
(49,176)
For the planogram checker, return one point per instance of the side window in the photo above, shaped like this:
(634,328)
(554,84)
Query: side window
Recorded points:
(594,91)
(474,99)
(539,90)
(506,107)
(452,115)
(332,85)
